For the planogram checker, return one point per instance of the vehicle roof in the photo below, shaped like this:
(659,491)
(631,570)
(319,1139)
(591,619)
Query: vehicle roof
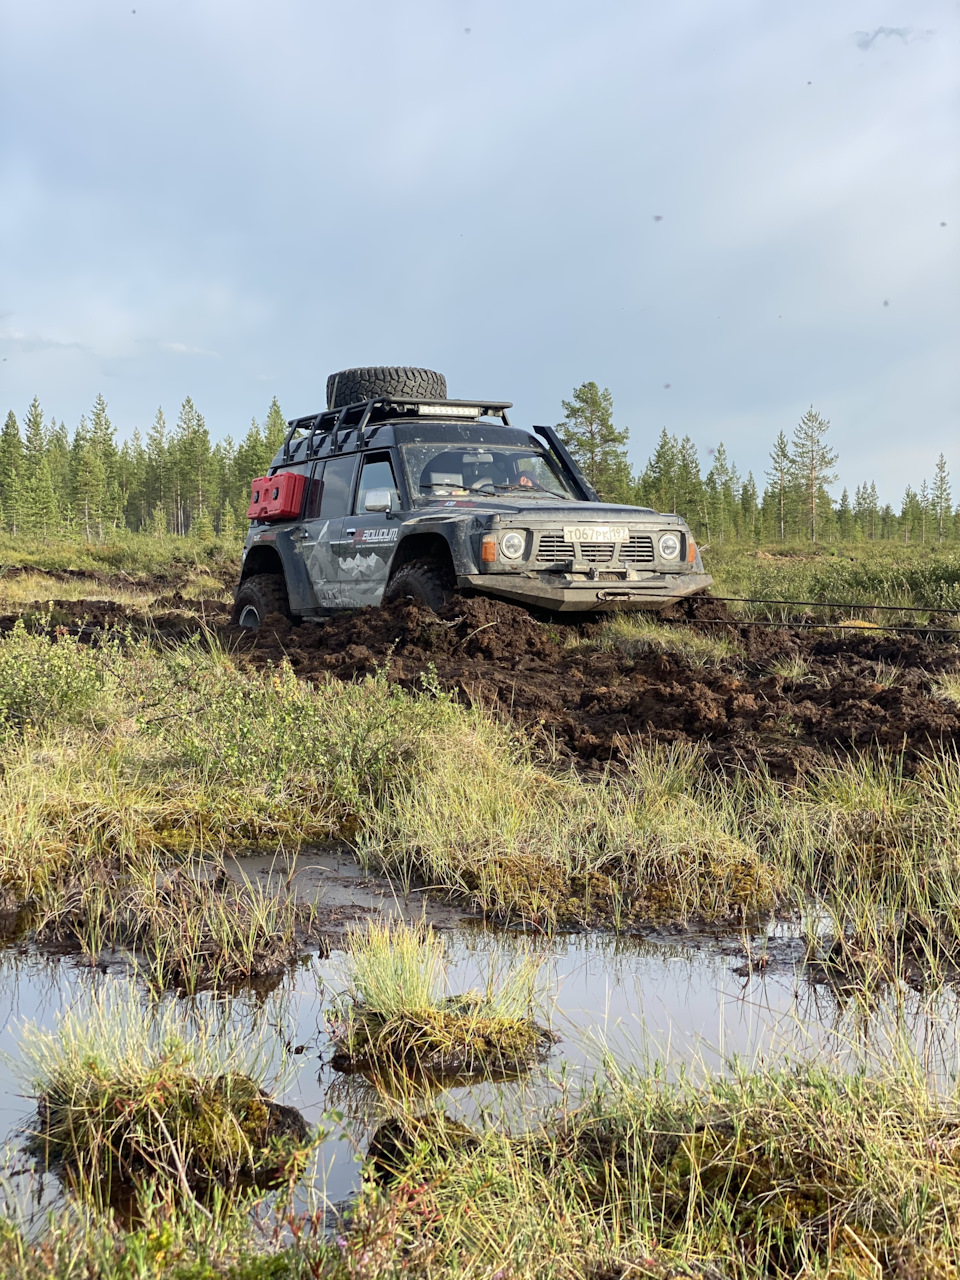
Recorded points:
(399,422)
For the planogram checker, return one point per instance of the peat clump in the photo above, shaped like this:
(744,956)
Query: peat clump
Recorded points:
(785,697)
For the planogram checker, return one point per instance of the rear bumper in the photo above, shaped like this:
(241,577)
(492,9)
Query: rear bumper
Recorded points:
(651,592)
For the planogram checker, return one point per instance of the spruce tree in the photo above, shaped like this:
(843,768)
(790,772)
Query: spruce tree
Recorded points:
(11,461)
(597,445)
(940,497)
(156,471)
(782,478)
(814,461)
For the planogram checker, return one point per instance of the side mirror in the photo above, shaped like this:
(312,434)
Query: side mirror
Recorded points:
(378,500)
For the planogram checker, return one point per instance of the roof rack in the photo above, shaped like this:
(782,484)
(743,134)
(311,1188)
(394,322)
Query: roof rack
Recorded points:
(330,422)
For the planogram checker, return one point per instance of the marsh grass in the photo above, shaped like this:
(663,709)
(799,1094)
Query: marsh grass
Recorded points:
(635,634)
(396,1012)
(194,926)
(125,1098)
(926,577)
(116,760)
(789,1172)
(948,687)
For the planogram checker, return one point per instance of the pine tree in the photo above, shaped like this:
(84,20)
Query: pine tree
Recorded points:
(39,507)
(749,508)
(782,480)
(274,430)
(597,445)
(89,482)
(659,482)
(940,496)
(156,471)
(723,493)
(58,462)
(11,461)
(690,490)
(923,503)
(846,525)
(813,460)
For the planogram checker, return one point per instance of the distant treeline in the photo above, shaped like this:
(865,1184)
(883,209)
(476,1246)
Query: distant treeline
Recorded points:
(175,480)
(722,505)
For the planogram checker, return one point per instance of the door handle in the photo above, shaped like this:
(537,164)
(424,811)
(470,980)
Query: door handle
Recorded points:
(349,532)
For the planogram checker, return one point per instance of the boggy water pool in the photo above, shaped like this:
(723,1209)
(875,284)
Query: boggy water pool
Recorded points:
(686,1000)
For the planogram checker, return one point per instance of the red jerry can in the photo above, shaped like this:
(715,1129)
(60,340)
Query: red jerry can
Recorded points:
(276,497)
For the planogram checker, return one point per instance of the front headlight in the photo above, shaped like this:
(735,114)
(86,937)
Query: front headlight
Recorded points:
(512,545)
(669,546)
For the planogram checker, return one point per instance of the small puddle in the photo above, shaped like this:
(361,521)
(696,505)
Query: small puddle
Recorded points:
(679,1000)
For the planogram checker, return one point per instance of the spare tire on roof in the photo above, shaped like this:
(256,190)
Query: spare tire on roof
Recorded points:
(352,385)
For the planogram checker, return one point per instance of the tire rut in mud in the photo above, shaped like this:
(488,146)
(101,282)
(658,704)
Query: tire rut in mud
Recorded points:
(850,691)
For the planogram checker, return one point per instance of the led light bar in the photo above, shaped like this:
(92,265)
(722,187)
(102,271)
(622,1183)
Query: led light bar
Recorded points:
(449,410)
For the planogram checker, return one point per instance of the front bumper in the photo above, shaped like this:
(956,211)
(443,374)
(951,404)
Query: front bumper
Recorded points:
(587,596)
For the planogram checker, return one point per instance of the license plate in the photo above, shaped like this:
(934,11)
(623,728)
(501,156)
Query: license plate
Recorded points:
(595,533)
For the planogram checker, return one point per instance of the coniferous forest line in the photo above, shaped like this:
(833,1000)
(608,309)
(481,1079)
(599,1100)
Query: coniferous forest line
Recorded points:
(177,481)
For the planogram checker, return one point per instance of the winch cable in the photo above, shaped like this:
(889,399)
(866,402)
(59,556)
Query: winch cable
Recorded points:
(847,606)
(831,604)
(823,626)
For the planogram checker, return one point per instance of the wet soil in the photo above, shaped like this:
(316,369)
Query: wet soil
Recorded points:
(592,706)
(589,705)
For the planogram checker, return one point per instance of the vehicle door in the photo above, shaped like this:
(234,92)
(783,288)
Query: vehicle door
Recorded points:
(369,536)
(329,499)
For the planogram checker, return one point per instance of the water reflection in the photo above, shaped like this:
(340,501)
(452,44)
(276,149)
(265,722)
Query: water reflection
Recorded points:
(685,1002)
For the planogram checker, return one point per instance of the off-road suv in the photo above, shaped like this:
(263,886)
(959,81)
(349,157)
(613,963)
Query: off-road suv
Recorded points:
(394,491)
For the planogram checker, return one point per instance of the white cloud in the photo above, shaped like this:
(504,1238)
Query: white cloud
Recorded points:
(182,349)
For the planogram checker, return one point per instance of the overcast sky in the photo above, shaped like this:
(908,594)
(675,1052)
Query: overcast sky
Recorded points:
(724,210)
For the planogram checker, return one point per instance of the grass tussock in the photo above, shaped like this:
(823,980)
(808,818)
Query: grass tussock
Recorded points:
(194,926)
(127,1100)
(949,687)
(635,634)
(793,1172)
(396,1012)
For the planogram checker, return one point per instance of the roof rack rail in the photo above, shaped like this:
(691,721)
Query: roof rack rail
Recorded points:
(330,422)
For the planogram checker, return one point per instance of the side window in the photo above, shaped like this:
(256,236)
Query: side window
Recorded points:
(337,488)
(377,473)
(314,487)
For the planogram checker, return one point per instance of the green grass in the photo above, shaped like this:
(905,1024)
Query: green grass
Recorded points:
(130,555)
(925,577)
(633,634)
(125,1099)
(397,1013)
(788,1172)
(798,1172)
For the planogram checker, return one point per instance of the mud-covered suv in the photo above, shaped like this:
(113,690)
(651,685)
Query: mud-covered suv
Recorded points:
(395,491)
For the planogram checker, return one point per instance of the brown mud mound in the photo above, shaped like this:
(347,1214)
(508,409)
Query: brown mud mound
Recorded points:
(784,697)
(172,617)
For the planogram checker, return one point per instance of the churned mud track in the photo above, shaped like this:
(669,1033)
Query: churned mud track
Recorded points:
(841,691)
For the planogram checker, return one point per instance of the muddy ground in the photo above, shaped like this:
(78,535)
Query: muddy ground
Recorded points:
(591,705)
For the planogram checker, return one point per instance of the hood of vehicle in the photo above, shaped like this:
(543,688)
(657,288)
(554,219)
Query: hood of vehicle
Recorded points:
(538,511)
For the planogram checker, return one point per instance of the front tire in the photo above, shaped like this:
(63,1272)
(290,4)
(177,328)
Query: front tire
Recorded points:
(260,595)
(423,581)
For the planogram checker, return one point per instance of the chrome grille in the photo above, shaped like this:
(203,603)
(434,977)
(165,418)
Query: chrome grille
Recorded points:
(637,550)
(552,547)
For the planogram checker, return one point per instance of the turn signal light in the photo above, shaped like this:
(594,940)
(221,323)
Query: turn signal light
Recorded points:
(691,551)
(488,549)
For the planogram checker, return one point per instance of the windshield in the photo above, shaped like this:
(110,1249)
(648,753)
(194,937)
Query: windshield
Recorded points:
(444,471)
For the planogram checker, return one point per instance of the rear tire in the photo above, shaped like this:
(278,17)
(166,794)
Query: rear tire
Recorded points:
(350,386)
(260,595)
(423,581)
